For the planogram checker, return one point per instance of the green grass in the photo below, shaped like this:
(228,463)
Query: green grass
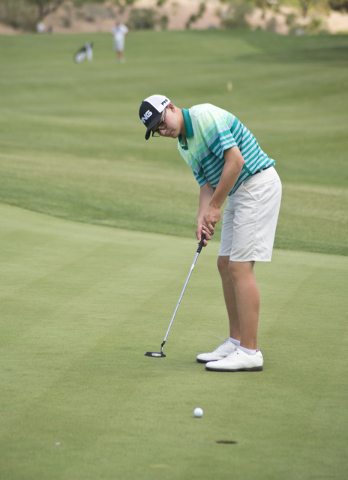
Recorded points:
(72,145)
(81,304)
(96,240)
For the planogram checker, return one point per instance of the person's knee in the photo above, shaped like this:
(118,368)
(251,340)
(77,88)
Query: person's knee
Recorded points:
(240,269)
(222,264)
(233,269)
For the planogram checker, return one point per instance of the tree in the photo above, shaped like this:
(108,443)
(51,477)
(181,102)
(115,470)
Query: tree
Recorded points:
(45,7)
(305,6)
(319,5)
(340,5)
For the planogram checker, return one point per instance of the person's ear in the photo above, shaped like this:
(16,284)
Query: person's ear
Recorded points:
(171,107)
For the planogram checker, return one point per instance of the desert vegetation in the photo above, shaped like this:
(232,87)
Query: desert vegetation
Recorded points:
(282,16)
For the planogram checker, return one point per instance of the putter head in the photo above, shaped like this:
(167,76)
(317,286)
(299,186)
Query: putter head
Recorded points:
(154,354)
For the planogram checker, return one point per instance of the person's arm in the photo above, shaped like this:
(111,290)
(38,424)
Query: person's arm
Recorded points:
(205,195)
(233,166)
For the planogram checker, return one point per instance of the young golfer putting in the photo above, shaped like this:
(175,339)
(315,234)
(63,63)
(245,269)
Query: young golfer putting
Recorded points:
(227,162)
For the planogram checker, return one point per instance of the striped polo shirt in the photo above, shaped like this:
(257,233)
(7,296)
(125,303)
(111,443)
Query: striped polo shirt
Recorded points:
(209,132)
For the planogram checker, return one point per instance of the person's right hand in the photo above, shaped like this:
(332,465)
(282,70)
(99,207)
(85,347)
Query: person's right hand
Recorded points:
(199,234)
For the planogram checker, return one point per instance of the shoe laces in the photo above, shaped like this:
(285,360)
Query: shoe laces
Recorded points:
(225,342)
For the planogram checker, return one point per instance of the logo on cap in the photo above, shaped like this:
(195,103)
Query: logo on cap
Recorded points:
(146,116)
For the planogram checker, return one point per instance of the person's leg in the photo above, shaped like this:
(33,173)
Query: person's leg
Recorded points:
(229,296)
(228,288)
(120,54)
(247,300)
(242,299)
(256,208)
(116,49)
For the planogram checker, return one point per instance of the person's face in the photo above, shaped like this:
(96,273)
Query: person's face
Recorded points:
(169,125)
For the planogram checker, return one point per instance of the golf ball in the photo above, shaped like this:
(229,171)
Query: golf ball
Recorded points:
(198,412)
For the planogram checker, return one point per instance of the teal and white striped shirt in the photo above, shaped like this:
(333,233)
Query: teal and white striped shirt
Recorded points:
(209,132)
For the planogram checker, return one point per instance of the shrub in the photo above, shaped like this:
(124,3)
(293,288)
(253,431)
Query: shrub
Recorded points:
(142,19)
(235,17)
(163,22)
(66,21)
(199,14)
(271,25)
(316,25)
(18,14)
(339,5)
(290,19)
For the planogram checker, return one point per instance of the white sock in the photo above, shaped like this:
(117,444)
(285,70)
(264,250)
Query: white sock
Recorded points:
(248,351)
(233,340)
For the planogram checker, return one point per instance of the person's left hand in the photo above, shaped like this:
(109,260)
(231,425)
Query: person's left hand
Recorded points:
(210,219)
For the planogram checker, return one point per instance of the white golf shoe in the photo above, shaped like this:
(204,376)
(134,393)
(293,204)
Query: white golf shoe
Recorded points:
(238,361)
(218,354)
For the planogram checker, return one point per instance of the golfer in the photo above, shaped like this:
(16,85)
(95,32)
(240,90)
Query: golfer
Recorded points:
(227,163)
(119,32)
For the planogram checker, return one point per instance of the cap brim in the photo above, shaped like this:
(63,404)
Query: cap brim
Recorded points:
(151,125)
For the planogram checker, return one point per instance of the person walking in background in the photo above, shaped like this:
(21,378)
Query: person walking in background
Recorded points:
(40,27)
(119,32)
(227,163)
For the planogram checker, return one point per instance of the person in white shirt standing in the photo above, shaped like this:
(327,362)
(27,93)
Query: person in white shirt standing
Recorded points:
(119,32)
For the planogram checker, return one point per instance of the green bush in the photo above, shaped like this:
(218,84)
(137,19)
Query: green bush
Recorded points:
(315,26)
(163,22)
(66,21)
(339,5)
(193,18)
(18,14)
(142,19)
(236,13)
(271,25)
(290,19)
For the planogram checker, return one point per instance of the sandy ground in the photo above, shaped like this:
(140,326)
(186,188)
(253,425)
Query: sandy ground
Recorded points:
(101,18)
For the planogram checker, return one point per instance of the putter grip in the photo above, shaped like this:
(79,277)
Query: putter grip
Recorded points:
(201,243)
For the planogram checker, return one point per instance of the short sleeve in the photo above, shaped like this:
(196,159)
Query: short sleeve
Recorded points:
(200,178)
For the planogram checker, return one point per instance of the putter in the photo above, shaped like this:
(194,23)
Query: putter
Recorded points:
(161,354)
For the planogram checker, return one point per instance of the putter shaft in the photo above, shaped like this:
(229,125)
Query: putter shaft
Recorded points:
(199,249)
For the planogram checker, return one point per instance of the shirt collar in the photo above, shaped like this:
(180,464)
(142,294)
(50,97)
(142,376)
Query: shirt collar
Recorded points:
(188,123)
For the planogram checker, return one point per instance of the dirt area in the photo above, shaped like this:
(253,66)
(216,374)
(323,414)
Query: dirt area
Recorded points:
(102,17)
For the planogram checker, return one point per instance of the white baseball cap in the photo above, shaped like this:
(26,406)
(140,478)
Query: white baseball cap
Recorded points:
(150,111)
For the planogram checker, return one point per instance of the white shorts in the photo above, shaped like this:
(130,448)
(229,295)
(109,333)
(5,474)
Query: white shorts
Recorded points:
(250,218)
(119,45)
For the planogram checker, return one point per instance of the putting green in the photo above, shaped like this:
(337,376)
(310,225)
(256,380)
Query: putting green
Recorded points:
(81,304)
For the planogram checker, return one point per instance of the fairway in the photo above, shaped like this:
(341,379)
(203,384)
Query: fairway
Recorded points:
(80,306)
(72,145)
(96,241)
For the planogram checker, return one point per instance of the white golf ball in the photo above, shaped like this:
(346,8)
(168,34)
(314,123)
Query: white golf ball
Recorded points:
(198,412)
